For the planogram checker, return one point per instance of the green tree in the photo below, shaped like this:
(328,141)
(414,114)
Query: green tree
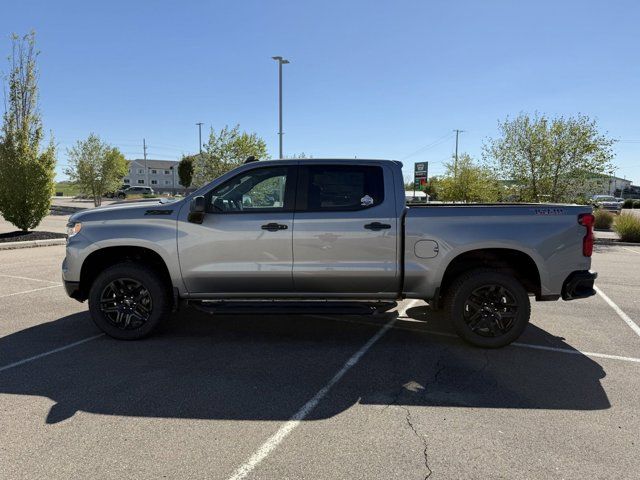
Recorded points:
(433,187)
(224,151)
(185,171)
(26,173)
(96,167)
(469,182)
(550,159)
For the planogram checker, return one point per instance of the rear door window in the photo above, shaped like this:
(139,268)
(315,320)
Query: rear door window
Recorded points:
(340,187)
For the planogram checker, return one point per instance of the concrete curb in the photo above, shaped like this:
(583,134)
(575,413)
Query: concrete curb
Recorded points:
(32,243)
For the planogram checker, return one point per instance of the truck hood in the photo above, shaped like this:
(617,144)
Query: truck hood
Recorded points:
(128,210)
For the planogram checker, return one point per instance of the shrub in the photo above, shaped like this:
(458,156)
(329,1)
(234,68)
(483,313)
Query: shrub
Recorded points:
(603,220)
(26,171)
(628,203)
(628,227)
(636,204)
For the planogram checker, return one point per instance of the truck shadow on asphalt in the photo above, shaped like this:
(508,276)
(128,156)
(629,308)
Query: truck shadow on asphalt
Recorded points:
(254,367)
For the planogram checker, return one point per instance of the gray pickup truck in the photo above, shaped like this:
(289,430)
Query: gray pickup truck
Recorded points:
(326,230)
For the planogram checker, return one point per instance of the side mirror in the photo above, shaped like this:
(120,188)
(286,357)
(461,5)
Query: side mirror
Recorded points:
(197,209)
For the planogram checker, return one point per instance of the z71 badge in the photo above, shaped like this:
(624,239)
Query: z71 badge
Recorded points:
(549,211)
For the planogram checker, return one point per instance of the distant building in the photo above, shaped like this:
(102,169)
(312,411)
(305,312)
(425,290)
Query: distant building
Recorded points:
(413,196)
(161,175)
(608,185)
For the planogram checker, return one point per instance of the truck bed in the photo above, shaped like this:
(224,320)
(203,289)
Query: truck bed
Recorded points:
(436,233)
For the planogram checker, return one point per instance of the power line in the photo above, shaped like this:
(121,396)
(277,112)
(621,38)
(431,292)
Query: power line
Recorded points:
(428,146)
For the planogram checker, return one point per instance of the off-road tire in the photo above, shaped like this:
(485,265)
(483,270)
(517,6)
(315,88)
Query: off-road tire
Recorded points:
(159,298)
(459,293)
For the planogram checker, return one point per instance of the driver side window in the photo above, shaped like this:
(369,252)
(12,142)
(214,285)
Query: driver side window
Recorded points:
(258,190)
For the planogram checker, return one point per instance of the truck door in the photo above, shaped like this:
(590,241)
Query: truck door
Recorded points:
(345,230)
(244,244)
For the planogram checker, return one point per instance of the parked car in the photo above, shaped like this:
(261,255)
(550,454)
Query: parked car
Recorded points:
(607,202)
(115,194)
(137,190)
(326,230)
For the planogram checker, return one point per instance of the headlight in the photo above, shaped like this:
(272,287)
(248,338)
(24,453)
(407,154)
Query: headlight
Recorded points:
(73,228)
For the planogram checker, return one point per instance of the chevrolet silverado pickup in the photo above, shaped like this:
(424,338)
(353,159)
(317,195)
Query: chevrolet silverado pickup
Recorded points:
(326,230)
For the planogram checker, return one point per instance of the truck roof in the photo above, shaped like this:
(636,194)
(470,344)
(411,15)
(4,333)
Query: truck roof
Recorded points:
(320,160)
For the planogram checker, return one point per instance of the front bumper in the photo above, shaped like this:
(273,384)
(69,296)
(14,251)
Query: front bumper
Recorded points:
(579,285)
(73,290)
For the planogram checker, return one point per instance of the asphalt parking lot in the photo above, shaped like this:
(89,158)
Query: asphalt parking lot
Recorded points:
(317,396)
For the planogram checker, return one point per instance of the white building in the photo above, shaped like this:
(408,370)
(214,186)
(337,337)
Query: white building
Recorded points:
(161,175)
(607,185)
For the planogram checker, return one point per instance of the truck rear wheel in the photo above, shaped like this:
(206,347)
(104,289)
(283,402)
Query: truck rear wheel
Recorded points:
(128,301)
(488,309)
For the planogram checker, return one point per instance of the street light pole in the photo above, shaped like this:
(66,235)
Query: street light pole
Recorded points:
(144,150)
(281,61)
(199,124)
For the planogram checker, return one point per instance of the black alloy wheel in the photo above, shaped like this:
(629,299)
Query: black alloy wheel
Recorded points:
(126,304)
(490,311)
(129,300)
(488,308)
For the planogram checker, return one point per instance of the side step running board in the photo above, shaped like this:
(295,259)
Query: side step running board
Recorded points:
(278,307)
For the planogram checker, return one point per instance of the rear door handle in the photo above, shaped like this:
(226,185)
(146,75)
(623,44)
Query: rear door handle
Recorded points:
(274,227)
(377,226)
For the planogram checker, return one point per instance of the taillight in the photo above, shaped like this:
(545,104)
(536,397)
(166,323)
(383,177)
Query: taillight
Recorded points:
(587,220)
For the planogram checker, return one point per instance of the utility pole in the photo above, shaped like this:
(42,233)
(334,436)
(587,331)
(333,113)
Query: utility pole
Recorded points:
(455,163)
(144,150)
(281,61)
(199,124)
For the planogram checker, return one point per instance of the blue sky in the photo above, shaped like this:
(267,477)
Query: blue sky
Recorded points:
(367,79)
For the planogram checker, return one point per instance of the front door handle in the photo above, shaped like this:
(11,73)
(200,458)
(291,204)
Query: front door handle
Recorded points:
(377,226)
(274,227)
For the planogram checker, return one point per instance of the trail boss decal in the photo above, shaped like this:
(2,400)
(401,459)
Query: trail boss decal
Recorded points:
(549,211)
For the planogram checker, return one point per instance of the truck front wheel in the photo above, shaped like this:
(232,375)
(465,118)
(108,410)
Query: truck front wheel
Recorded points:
(128,301)
(488,309)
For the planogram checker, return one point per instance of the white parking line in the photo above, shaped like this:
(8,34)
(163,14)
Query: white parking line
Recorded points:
(30,291)
(631,250)
(28,278)
(575,352)
(277,438)
(411,328)
(50,352)
(634,326)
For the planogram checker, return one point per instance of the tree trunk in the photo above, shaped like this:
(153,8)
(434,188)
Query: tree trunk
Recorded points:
(534,183)
(93,194)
